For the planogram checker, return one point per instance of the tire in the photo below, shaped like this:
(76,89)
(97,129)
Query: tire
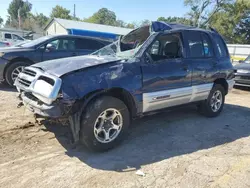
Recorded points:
(11,68)
(206,107)
(93,118)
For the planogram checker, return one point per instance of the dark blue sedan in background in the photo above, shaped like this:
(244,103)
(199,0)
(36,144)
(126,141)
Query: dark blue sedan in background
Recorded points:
(14,59)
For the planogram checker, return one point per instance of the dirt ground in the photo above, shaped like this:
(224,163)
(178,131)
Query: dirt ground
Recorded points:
(179,148)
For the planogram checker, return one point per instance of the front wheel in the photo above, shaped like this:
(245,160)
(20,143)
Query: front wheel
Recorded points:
(104,123)
(213,106)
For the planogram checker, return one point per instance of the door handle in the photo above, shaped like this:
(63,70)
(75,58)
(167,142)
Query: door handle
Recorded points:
(74,54)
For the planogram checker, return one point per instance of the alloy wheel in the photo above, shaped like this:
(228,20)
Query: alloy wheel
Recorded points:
(15,72)
(108,125)
(216,101)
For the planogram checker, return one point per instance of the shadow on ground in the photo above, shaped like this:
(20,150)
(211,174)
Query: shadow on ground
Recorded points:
(162,136)
(5,87)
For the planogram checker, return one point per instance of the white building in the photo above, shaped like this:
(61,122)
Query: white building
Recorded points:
(61,26)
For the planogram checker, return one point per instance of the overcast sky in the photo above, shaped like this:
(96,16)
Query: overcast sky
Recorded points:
(127,10)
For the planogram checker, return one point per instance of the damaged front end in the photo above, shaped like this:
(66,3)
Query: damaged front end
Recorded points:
(40,93)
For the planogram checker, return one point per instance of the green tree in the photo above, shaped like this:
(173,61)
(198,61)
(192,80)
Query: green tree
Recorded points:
(130,25)
(120,23)
(144,22)
(203,10)
(24,7)
(76,18)
(180,20)
(40,19)
(103,16)
(60,12)
(1,21)
(233,22)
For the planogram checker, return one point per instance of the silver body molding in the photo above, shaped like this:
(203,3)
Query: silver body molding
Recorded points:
(173,97)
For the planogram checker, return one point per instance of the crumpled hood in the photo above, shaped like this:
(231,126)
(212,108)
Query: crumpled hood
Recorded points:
(243,66)
(59,67)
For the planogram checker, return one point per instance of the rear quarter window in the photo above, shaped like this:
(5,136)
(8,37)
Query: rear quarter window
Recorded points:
(7,36)
(220,46)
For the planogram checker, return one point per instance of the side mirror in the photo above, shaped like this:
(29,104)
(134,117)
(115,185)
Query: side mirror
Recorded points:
(49,48)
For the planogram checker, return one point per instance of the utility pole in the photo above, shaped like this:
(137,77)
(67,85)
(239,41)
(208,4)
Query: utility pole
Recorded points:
(74,11)
(19,18)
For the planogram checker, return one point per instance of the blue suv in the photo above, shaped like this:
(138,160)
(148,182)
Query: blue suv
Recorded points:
(152,68)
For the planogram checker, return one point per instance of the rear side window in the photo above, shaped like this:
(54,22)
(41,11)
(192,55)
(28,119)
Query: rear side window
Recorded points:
(221,47)
(88,44)
(195,44)
(7,36)
(199,44)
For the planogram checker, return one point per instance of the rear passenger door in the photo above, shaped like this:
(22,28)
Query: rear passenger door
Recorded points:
(202,56)
(87,46)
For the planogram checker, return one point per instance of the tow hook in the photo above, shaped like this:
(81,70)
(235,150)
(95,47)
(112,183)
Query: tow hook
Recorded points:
(20,104)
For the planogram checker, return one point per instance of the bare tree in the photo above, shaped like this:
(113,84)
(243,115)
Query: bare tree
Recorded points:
(203,10)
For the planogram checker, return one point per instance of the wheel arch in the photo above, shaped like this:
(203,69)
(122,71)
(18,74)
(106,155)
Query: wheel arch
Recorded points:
(223,83)
(14,60)
(120,93)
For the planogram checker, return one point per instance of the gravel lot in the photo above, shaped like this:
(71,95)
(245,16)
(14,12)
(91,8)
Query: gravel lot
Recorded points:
(174,149)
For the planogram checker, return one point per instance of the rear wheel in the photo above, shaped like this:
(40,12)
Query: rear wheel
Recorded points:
(213,106)
(13,71)
(104,123)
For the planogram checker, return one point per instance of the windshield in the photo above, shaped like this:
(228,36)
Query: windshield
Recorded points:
(127,46)
(107,50)
(35,42)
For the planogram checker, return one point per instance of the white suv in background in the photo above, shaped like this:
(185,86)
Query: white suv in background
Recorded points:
(11,38)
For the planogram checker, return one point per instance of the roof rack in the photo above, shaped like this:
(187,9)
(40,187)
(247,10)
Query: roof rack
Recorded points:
(212,29)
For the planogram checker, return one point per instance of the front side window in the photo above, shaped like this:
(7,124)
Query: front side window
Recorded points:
(61,45)
(168,46)
(16,37)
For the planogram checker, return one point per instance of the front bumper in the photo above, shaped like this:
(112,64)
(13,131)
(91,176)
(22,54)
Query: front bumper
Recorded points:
(231,84)
(57,109)
(39,92)
(242,79)
(44,110)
